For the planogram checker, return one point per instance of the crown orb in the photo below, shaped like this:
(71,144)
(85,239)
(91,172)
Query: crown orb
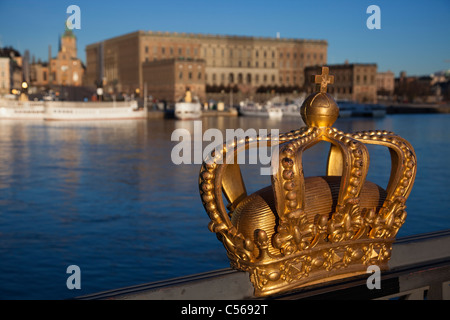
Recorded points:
(319,110)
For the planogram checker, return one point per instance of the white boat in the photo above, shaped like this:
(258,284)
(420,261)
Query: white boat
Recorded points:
(21,110)
(253,109)
(77,111)
(275,112)
(292,110)
(270,110)
(188,110)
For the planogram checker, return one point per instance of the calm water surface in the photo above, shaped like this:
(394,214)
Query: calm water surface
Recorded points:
(106,196)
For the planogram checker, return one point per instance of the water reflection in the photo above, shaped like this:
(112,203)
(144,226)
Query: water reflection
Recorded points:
(107,197)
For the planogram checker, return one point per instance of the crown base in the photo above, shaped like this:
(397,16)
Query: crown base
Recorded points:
(322,264)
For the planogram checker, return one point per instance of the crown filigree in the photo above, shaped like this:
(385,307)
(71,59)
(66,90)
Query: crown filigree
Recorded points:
(299,230)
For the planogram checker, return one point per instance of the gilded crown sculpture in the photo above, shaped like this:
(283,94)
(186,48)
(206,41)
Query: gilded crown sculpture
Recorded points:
(300,231)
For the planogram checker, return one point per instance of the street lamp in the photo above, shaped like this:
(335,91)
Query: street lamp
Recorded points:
(24,94)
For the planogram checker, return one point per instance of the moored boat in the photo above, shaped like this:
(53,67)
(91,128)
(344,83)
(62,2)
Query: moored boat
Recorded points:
(77,111)
(250,108)
(188,110)
(354,109)
(18,110)
(275,113)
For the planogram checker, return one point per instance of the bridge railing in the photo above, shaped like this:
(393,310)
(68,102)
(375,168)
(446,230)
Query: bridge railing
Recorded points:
(419,269)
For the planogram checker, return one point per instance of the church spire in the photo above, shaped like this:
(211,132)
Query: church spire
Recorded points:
(67,31)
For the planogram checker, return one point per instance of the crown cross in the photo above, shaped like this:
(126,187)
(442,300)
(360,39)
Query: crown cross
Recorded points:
(324,79)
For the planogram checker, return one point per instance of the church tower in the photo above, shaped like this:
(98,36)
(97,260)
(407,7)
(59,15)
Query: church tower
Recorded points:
(69,44)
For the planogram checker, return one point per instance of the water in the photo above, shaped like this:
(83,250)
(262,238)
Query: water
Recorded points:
(105,196)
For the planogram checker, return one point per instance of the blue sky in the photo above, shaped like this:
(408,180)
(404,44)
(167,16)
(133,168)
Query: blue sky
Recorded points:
(414,35)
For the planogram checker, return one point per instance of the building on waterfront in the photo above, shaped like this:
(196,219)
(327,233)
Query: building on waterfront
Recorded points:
(420,89)
(352,81)
(39,74)
(385,83)
(161,62)
(5,78)
(63,70)
(168,79)
(11,74)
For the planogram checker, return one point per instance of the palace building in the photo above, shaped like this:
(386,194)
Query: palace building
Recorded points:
(166,64)
(352,81)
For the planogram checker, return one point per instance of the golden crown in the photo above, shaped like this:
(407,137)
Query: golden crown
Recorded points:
(299,230)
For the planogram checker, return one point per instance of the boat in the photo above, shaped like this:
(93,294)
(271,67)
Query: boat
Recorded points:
(369,110)
(345,108)
(77,111)
(275,112)
(292,110)
(22,110)
(353,109)
(188,109)
(268,110)
(253,109)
